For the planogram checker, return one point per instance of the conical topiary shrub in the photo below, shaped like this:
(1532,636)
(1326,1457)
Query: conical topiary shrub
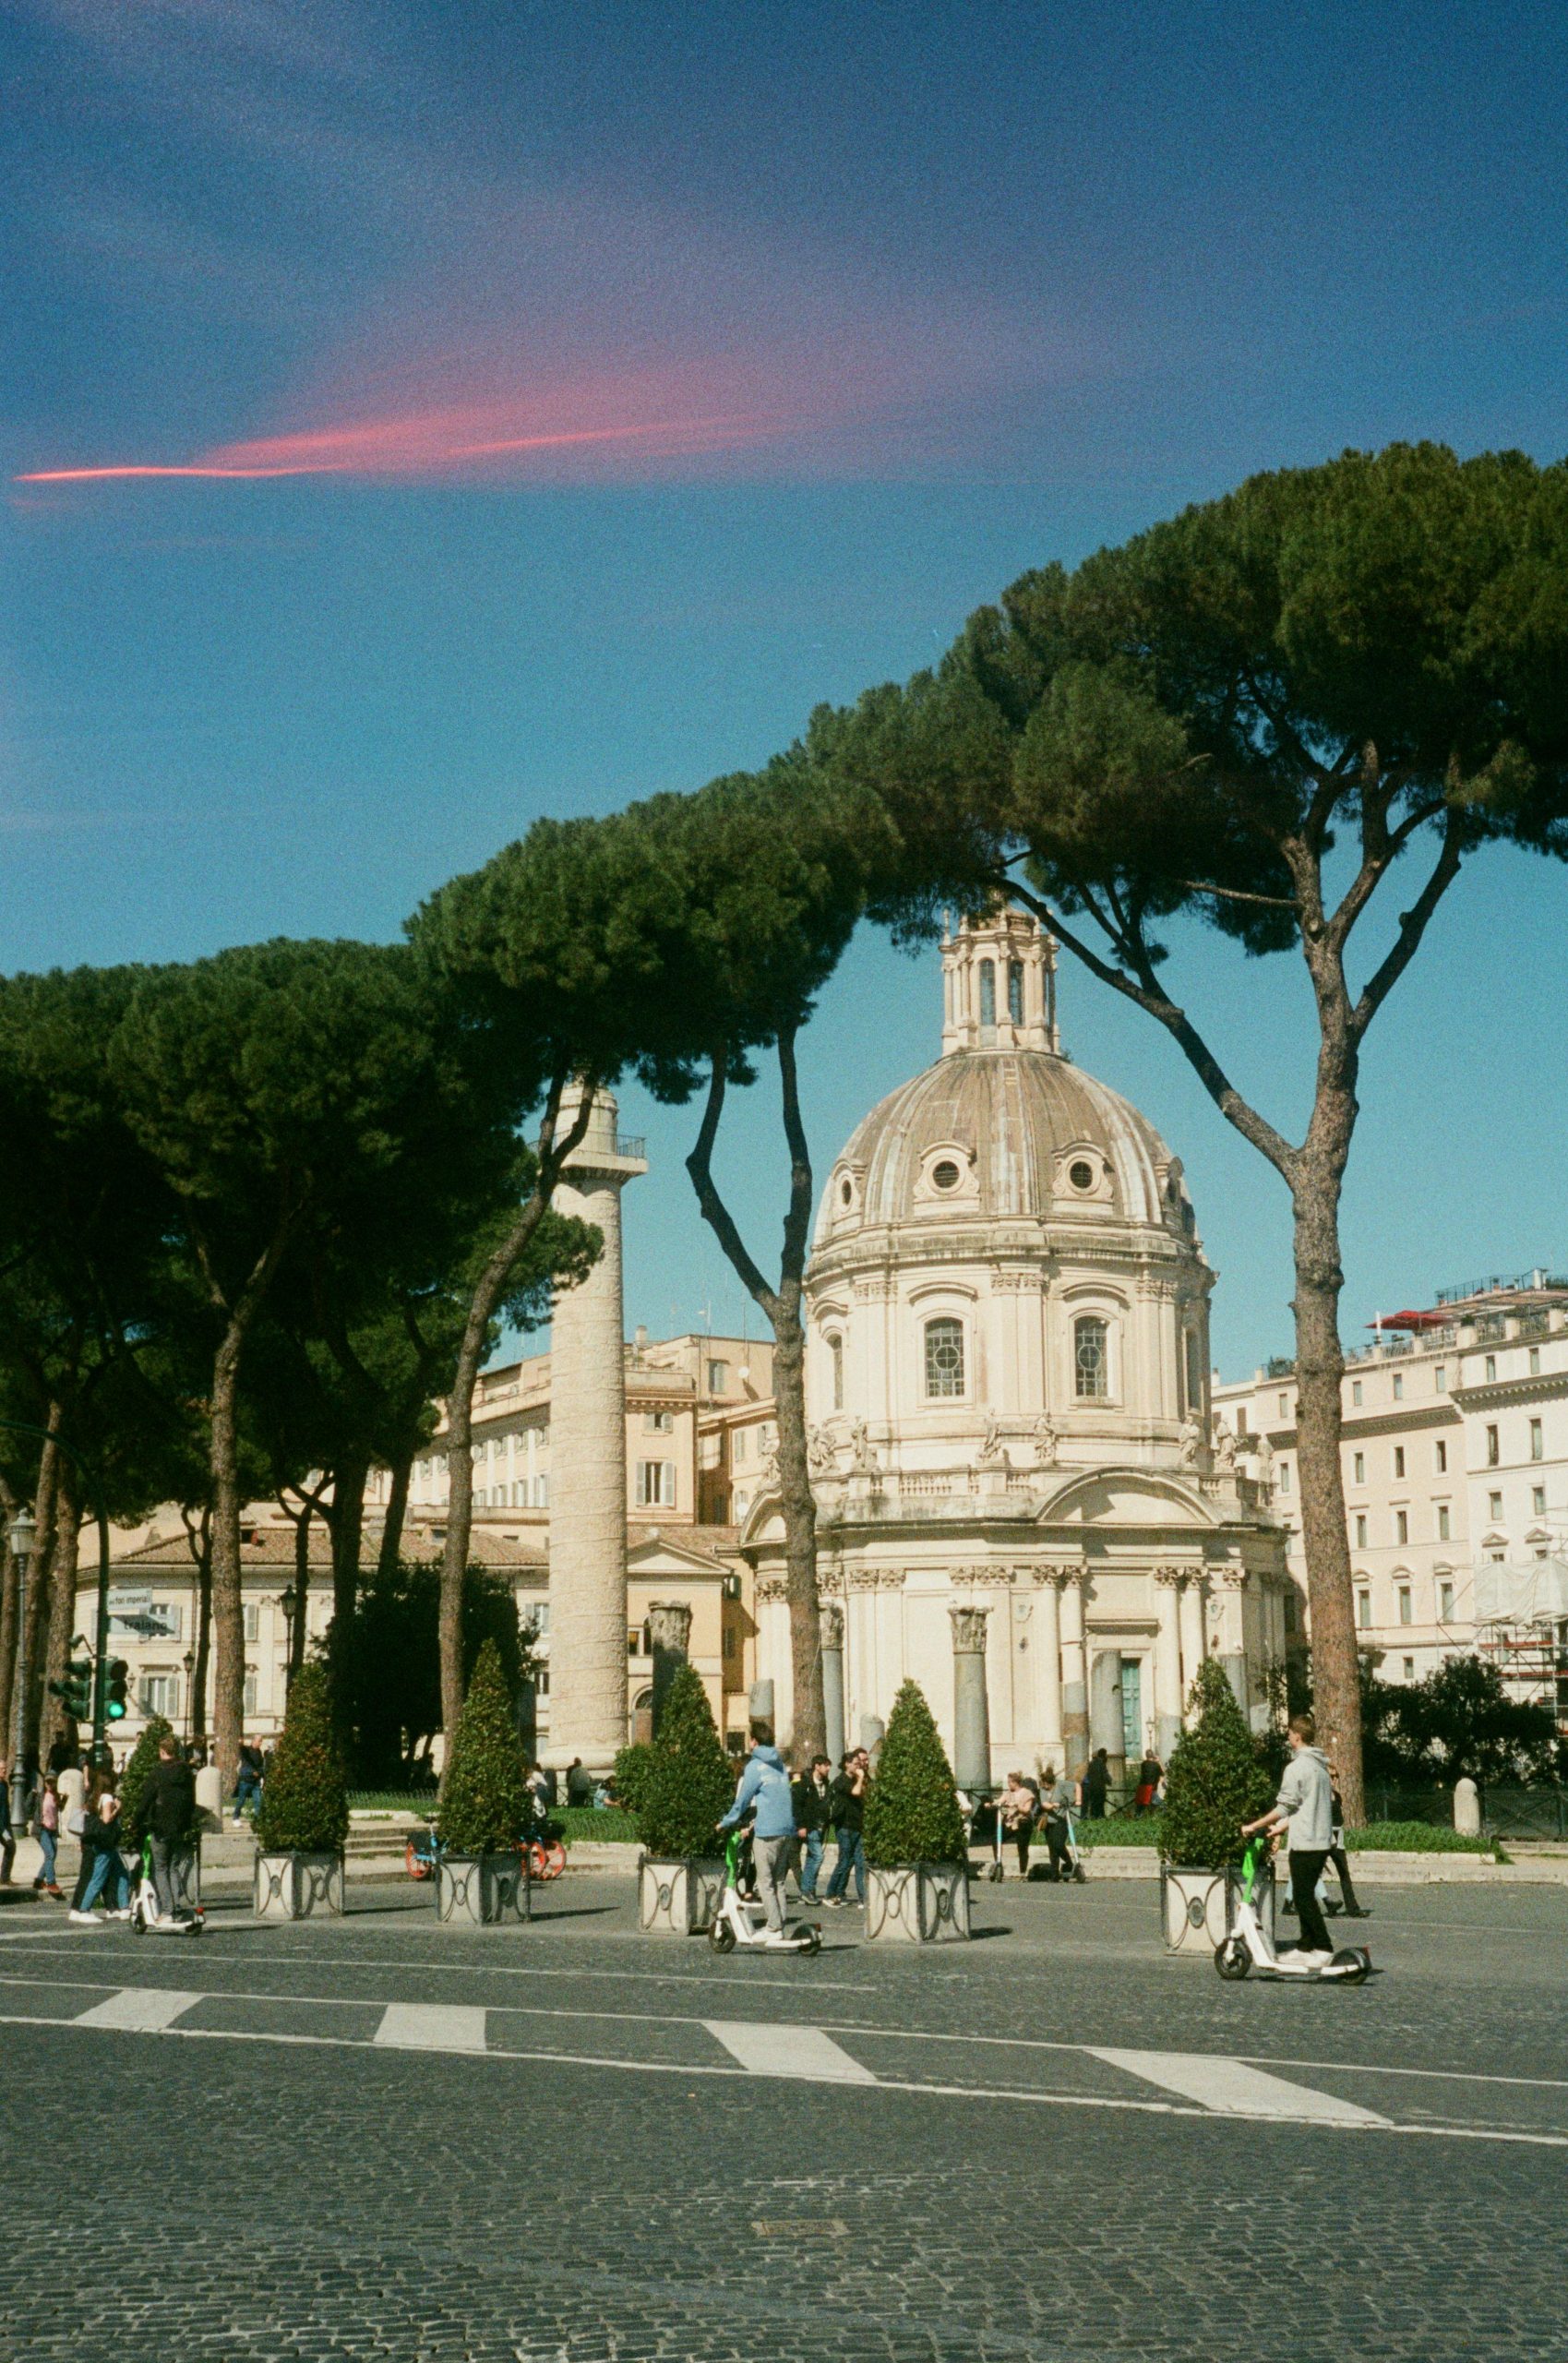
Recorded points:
(304,1805)
(687,1782)
(484,1796)
(139,1771)
(912,1809)
(1215,1782)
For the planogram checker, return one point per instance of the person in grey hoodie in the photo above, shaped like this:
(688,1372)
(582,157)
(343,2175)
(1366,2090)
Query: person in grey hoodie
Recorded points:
(1304,1807)
(765,1784)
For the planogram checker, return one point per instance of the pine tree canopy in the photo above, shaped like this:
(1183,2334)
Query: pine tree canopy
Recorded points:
(912,1809)
(1215,1780)
(687,1782)
(305,1803)
(484,1800)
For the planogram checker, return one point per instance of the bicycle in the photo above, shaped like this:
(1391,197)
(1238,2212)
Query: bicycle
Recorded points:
(546,1854)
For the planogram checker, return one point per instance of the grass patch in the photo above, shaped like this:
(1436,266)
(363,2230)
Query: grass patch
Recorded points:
(1412,1838)
(1120,1829)
(595,1822)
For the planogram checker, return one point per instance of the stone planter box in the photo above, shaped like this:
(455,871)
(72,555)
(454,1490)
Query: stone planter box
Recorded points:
(678,1899)
(483,1890)
(298,1885)
(1197,1907)
(918,1904)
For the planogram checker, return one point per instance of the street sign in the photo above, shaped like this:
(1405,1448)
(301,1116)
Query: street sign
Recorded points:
(130,1602)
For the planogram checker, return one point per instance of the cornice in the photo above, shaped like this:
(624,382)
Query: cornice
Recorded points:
(1493,1395)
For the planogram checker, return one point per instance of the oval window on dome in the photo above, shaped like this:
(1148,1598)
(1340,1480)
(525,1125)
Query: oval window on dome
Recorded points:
(945,1175)
(1080,1173)
(846,1192)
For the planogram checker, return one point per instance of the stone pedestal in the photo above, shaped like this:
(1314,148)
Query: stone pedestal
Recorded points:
(971,1708)
(483,1890)
(669,1626)
(1466,1809)
(298,1885)
(678,1899)
(919,1903)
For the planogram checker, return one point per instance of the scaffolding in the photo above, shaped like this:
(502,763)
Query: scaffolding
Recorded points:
(1522,1629)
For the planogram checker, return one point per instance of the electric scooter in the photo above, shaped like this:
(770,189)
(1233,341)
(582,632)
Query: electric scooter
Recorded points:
(736,1921)
(148,1919)
(1249,1947)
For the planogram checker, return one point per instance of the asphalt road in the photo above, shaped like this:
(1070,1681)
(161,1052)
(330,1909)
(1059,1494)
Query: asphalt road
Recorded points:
(379,2138)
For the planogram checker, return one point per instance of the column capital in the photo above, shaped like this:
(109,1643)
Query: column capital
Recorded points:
(1060,1573)
(669,1624)
(832,1618)
(968,1630)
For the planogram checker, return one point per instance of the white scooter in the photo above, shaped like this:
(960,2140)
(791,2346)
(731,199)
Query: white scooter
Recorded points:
(1249,1945)
(148,1919)
(739,1923)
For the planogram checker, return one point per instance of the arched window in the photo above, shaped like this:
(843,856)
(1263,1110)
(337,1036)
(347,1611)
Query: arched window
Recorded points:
(1015,991)
(988,993)
(1091,1358)
(944,1357)
(835,1360)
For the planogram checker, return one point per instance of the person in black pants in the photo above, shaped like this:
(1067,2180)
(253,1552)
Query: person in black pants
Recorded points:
(1305,1807)
(1096,1785)
(1337,1856)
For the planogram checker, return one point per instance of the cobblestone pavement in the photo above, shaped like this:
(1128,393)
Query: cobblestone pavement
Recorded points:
(568,2144)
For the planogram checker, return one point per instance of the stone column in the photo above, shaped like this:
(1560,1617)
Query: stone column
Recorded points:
(588,1484)
(1191,1621)
(971,1709)
(832,1678)
(669,1624)
(1050,1664)
(1168,1659)
(1074,1678)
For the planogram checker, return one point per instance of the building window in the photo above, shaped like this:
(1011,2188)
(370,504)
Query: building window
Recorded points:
(1285,1407)
(1535,1361)
(1405,1604)
(1402,1526)
(988,993)
(836,1363)
(158,1694)
(252,1621)
(540,1493)
(729,1640)
(1090,1360)
(718,1377)
(1409,1666)
(1440,1379)
(1538,1449)
(1399,1461)
(658,1423)
(250,1694)
(739,1449)
(1284,1476)
(1494,1507)
(1442,1456)
(1538,1501)
(1493,1451)
(1492,1366)
(1361,1530)
(1400,1387)
(655,1485)
(944,1357)
(1442,1533)
(1356,1392)
(1363,1608)
(1015,991)
(1359,1467)
(1446,1602)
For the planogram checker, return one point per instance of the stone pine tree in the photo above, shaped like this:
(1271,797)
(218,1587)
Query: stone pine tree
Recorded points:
(305,1803)
(688,1782)
(484,1798)
(1215,1780)
(912,1811)
(1271,715)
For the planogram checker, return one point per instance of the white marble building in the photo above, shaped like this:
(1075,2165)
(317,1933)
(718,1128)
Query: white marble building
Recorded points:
(1007,1373)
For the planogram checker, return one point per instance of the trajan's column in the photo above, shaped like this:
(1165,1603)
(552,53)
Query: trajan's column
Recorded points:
(588,1693)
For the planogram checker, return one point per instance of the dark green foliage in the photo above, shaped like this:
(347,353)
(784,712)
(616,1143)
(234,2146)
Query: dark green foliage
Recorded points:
(634,1767)
(912,1809)
(690,1783)
(486,1804)
(1215,1780)
(396,1672)
(1459,1722)
(304,1807)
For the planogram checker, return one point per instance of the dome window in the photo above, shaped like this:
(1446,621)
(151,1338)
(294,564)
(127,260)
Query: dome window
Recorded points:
(1080,1173)
(846,1192)
(944,1358)
(1091,1358)
(836,1363)
(988,993)
(945,1176)
(1015,991)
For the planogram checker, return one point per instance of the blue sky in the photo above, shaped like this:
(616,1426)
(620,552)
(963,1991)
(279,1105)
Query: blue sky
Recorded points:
(535,408)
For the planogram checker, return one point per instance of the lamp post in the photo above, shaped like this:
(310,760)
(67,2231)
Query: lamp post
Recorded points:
(188,1662)
(23,1531)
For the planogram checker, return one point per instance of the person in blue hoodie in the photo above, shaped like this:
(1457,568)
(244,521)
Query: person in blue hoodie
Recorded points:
(765,1785)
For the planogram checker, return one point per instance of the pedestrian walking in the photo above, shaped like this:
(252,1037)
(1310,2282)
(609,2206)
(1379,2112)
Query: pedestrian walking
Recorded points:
(1096,1785)
(847,1809)
(247,1780)
(7,1835)
(1054,1822)
(1017,1807)
(1150,1772)
(166,1816)
(764,1789)
(811,1793)
(1304,1807)
(579,1785)
(102,1869)
(1338,1857)
(47,1881)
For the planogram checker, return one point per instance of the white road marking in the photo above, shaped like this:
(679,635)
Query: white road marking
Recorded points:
(138,2010)
(765,2048)
(1231,2089)
(431,2026)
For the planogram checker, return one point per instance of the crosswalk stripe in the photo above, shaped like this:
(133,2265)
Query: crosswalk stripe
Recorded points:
(766,2049)
(138,2010)
(1233,2090)
(431,2026)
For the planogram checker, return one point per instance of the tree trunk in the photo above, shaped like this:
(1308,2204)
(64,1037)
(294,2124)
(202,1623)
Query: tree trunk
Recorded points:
(808,1732)
(228,1604)
(299,1623)
(346,1521)
(8,1626)
(1320,1368)
(397,1511)
(62,1608)
(201,1647)
(34,1626)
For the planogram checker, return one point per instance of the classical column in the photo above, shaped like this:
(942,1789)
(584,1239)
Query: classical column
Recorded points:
(832,1678)
(669,1626)
(1192,1620)
(1233,1637)
(1074,1678)
(1049,1664)
(971,1710)
(1168,1659)
(588,1626)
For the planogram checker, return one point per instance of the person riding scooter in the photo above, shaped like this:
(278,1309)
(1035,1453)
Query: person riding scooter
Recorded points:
(1304,1807)
(765,1784)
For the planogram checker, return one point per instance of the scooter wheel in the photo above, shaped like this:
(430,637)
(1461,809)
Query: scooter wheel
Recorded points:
(721,1936)
(1079,1875)
(811,1936)
(994,1871)
(1353,1965)
(138,1925)
(1232,1959)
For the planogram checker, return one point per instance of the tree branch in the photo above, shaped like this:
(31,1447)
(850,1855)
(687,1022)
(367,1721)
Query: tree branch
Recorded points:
(798,1220)
(1412,925)
(714,1212)
(1236,894)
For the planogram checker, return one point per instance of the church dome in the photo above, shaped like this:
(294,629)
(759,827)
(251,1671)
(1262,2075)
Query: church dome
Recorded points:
(1002,1127)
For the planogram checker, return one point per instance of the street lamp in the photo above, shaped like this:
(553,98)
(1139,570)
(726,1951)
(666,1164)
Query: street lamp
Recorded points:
(23,1532)
(188,1662)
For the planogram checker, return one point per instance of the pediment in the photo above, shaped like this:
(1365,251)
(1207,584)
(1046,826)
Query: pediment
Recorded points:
(659,1555)
(1126,1497)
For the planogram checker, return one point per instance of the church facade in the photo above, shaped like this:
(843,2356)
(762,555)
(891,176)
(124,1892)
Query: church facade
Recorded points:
(1007,1379)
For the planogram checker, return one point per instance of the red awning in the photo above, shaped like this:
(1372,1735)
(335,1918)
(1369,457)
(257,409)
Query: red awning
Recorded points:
(1410,1321)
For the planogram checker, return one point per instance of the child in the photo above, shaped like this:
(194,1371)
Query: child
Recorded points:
(46,1883)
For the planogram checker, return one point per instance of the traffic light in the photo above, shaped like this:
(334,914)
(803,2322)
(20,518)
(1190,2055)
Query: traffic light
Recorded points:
(116,1682)
(75,1693)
